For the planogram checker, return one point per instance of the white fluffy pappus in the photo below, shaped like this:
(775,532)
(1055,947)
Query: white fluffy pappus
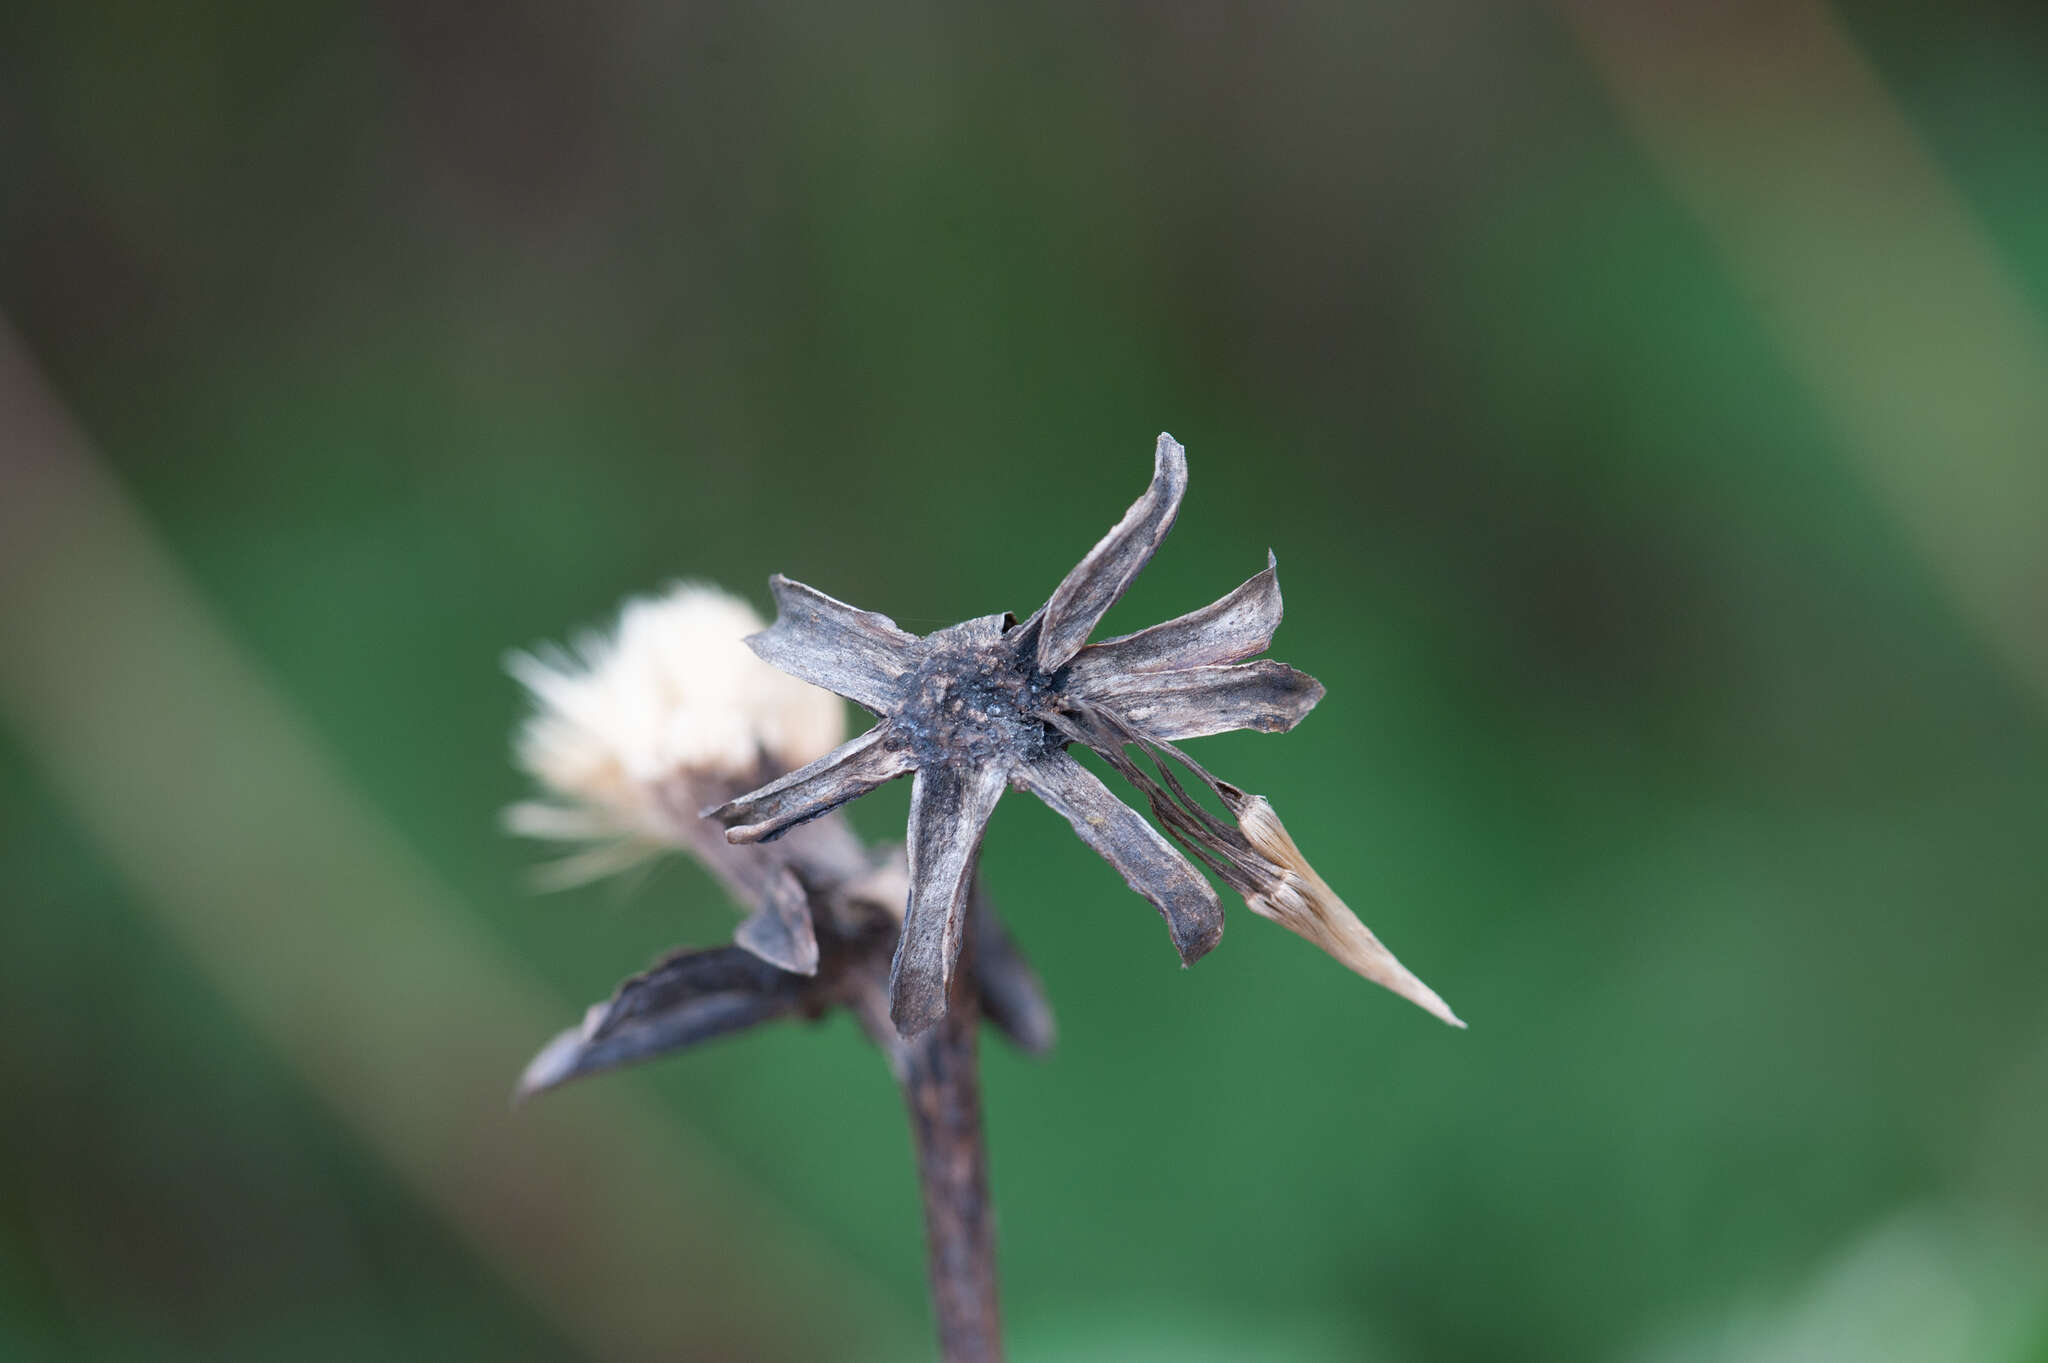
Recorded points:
(669,699)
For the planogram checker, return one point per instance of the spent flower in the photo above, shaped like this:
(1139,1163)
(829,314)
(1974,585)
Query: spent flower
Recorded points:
(634,732)
(993,704)
(671,693)
(630,736)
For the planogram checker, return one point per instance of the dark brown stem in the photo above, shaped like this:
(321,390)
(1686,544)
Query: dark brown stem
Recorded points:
(941,1082)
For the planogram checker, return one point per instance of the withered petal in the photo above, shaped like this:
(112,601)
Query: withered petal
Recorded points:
(689,998)
(1085,596)
(855,653)
(1146,860)
(949,808)
(1229,630)
(1193,702)
(848,772)
(780,932)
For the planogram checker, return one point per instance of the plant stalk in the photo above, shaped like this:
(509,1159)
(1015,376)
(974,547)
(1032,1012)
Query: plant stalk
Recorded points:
(941,1081)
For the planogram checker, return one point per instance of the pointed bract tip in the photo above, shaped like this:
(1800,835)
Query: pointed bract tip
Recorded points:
(1099,580)
(553,1067)
(786,947)
(916,1013)
(1198,940)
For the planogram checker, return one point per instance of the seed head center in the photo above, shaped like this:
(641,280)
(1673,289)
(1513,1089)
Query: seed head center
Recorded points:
(977,702)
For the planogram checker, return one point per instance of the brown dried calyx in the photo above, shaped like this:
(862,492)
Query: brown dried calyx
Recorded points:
(990,705)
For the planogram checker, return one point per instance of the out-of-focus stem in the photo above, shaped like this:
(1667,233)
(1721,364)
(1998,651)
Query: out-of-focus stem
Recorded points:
(941,1082)
(939,1072)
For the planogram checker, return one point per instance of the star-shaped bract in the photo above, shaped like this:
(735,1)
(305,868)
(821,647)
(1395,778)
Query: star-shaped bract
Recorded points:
(989,704)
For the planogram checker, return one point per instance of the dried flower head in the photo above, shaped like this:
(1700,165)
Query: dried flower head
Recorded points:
(642,728)
(990,704)
(670,694)
(631,736)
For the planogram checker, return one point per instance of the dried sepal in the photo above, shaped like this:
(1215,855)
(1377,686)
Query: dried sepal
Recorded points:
(949,807)
(1012,996)
(1303,902)
(1096,583)
(860,654)
(690,997)
(780,932)
(847,772)
(1194,702)
(1147,862)
(1215,842)
(1227,630)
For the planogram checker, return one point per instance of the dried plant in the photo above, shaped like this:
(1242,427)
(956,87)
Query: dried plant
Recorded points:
(991,703)
(670,734)
(630,736)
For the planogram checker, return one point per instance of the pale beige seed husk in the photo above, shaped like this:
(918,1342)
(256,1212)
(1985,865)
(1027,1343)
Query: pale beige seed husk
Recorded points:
(1305,905)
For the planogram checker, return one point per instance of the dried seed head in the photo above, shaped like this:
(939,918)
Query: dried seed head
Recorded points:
(993,704)
(672,692)
(1303,902)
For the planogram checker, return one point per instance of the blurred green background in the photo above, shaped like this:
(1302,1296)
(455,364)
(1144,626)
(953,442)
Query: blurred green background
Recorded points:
(1646,404)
